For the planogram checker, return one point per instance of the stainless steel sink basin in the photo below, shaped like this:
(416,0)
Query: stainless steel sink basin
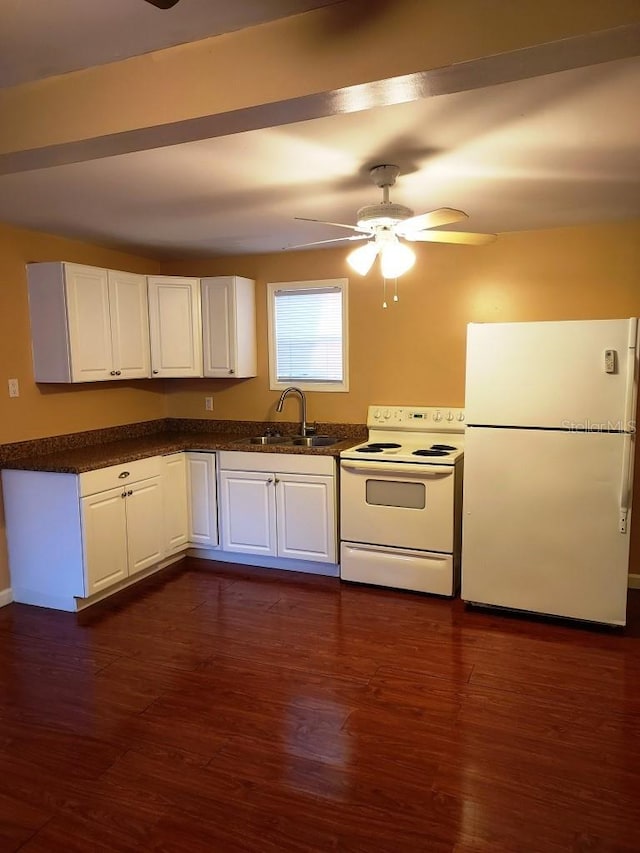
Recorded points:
(314,440)
(265,439)
(297,440)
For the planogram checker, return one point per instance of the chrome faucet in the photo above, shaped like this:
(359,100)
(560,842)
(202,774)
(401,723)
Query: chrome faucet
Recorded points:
(304,429)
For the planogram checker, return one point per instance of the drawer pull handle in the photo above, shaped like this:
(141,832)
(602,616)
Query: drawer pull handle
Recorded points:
(123,475)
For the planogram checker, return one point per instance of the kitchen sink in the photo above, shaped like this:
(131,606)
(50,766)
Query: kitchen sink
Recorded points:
(265,439)
(314,440)
(296,440)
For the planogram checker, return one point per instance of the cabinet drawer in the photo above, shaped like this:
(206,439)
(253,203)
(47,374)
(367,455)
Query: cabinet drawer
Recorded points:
(102,479)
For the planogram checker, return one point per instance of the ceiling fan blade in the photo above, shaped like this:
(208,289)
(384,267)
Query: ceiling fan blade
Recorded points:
(163,4)
(465,238)
(335,240)
(337,224)
(433,219)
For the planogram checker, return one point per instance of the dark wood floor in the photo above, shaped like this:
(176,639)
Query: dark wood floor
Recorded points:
(223,709)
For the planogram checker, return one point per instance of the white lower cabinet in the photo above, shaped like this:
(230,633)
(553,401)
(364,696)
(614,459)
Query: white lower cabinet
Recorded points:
(305,513)
(248,512)
(176,514)
(104,533)
(73,536)
(121,533)
(288,510)
(202,499)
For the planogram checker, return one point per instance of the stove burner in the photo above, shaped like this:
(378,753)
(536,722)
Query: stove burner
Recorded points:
(442,447)
(430,452)
(384,445)
(369,448)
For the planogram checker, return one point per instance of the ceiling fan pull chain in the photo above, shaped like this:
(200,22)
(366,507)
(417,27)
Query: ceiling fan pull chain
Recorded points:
(395,295)
(384,292)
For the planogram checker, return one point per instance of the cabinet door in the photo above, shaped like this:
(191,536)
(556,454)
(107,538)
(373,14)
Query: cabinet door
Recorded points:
(218,323)
(104,534)
(87,296)
(248,512)
(129,325)
(175,325)
(229,326)
(201,490)
(144,524)
(306,517)
(176,521)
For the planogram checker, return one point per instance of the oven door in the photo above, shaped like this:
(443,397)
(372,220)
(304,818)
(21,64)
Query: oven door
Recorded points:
(397,504)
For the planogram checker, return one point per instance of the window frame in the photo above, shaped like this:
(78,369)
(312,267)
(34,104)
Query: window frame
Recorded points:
(341,284)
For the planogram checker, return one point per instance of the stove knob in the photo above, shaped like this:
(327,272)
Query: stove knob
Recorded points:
(449,416)
(387,414)
(438,416)
(460,416)
(376,414)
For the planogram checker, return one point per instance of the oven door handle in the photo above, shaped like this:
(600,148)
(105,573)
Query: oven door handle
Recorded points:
(397,469)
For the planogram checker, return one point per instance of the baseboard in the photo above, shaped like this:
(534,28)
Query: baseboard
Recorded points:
(634,581)
(308,567)
(6,596)
(129,583)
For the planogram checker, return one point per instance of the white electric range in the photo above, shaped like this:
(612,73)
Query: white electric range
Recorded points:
(401,500)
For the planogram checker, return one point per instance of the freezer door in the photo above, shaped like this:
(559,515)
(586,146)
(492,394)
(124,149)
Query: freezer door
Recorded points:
(541,522)
(567,374)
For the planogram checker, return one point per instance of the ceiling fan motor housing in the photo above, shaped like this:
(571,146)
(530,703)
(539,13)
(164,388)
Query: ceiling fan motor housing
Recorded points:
(385,213)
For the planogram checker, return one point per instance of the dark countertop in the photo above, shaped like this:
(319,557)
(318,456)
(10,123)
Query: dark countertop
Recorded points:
(76,460)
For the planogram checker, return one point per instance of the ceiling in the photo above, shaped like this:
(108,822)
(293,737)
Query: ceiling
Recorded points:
(551,150)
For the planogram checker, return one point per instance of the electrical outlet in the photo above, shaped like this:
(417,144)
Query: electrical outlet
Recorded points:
(208,404)
(14,388)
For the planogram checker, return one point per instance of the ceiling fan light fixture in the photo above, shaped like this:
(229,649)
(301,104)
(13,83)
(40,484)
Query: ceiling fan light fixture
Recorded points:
(396,259)
(361,259)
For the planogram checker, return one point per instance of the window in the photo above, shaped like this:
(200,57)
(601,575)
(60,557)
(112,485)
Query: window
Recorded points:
(308,335)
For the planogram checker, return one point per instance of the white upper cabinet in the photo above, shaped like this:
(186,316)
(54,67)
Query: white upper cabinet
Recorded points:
(129,324)
(175,326)
(90,324)
(87,324)
(229,326)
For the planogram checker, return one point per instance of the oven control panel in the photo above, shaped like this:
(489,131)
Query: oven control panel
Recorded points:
(424,418)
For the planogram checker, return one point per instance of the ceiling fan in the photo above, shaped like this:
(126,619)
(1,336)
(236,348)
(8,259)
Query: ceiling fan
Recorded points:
(163,4)
(383,225)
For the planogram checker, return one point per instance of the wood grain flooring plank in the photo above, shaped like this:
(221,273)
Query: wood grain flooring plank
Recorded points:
(56,752)
(19,821)
(223,707)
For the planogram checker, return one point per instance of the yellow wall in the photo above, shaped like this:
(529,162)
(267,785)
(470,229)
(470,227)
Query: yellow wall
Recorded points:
(411,353)
(57,409)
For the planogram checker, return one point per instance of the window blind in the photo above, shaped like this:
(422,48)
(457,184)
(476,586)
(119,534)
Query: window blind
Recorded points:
(308,332)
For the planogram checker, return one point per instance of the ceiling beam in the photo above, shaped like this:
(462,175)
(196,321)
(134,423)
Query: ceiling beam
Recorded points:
(308,66)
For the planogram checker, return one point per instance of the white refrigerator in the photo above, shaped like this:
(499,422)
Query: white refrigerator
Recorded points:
(548,467)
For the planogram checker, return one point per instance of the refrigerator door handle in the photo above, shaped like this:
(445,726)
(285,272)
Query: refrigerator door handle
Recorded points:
(625,482)
(632,360)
